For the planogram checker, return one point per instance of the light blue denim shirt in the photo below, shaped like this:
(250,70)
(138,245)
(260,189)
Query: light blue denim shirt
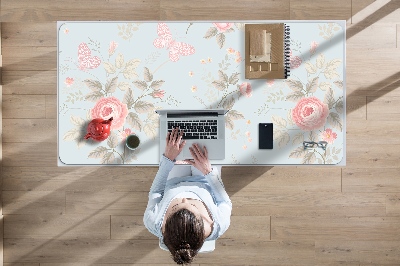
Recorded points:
(209,188)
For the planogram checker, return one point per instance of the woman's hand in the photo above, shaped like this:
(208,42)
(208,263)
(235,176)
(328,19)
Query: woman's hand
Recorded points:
(174,145)
(200,159)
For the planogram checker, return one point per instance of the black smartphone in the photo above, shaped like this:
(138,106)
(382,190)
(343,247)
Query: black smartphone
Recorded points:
(265,136)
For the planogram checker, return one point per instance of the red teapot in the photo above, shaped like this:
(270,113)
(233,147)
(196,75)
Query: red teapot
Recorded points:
(99,129)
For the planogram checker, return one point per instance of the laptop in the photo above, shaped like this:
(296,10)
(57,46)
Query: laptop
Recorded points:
(204,127)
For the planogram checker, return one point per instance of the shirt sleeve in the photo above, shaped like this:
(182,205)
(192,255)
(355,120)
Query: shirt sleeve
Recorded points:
(222,199)
(156,194)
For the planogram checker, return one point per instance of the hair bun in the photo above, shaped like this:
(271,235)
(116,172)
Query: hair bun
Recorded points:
(184,245)
(183,255)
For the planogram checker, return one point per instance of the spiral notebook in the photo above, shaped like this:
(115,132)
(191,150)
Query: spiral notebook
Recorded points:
(267,49)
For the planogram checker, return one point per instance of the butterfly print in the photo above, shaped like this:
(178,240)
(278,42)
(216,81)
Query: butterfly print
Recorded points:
(86,61)
(165,40)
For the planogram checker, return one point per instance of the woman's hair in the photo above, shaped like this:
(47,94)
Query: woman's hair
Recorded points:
(184,235)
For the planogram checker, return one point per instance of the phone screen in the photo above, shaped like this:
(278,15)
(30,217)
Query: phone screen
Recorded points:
(265,136)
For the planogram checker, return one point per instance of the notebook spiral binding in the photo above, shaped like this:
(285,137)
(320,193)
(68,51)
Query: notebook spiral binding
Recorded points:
(287,51)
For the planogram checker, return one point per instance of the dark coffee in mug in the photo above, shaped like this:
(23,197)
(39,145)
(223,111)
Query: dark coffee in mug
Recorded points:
(132,141)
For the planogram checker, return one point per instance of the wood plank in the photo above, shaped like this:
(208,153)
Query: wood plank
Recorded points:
(383,108)
(33,202)
(368,12)
(384,36)
(93,10)
(29,34)
(113,264)
(385,180)
(78,178)
(362,155)
(335,228)
(53,226)
(40,130)
(309,204)
(24,106)
(228,251)
(129,227)
(107,203)
(393,204)
(29,82)
(325,9)
(21,264)
(51,106)
(46,62)
(373,132)
(364,252)
(374,75)
(225,10)
(30,154)
(284,179)
(356,108)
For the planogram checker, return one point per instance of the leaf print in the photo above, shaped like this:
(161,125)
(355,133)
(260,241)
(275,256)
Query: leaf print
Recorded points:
(108,158)
(281,137)
(328,99)
(312,85)
(123,86)
(128,98)
(228,103)
(211,32)
(134,121)
(324,86)
(234,78)
(110,68)
(229,123)
(230,30)
(294,96)
(147,75)
(142,85)
(220,39)
(222,76)
(156,84)
(98,152)
(312,136)
(219,85)
(144,107)
(294,85)
(339,84)
(335,121)
(298,153)
(320,61)
(298,138)
(111,85)
(130,69)
(279,121)
(77,121)
(311,69)
(119,60)
(94,96)
(72,134)
(235,115)
(150,131)
(239,25)
(112,140)
(309,158)
(289,117)
(94,85)
(330,71)
(339,106)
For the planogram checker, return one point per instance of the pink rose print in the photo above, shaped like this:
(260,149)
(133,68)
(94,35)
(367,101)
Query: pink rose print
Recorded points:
(125,133)
(313,47)
(106,108)
(69,81)
(222,27)
(158,94)
(245,89)
(270,82)
(230,50)
(310,113)
(329,136)
(112,48)
(66,31)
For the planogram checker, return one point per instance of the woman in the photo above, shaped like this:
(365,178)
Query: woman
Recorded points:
(186,208)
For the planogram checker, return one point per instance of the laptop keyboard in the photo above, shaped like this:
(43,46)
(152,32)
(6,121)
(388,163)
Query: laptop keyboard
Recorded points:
(196,129)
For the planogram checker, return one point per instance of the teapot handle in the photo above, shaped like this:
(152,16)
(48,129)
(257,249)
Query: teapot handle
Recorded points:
(87,136)
(107,121)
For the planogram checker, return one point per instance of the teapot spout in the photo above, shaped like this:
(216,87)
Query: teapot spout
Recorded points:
(87,136)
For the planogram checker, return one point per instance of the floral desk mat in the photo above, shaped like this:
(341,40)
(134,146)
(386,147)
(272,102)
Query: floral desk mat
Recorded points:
(127,70)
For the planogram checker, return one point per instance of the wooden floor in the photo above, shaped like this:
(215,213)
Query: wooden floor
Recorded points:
(281,215)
